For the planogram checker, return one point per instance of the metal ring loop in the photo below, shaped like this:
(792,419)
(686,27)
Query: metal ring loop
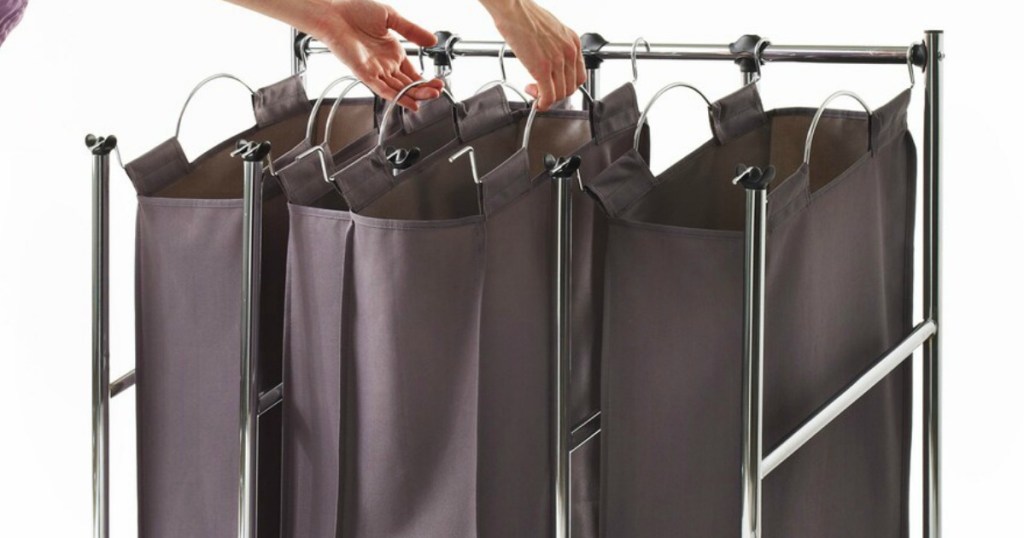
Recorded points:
(316,106)
(337,102)
(503,84)
(821,110)
(757,55)
(503,81)
(533,114)
(394,102)
(647,109)
(181,115)
(632,56)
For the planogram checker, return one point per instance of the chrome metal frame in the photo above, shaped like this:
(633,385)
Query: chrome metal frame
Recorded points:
(249,395)
(755,235)
(755,465)
(562,354)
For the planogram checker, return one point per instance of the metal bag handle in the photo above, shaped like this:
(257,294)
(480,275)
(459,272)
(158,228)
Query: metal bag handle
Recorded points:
(647,109)
(821,110)
(204,82)
(533,115)
(503,81)
(387,115)
(311,124)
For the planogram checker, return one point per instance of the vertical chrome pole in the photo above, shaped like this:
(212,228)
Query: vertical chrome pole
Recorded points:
(932,280)
(753,352)
(252,205)
(593,83)
(100,149)
(563,350)
(298,54)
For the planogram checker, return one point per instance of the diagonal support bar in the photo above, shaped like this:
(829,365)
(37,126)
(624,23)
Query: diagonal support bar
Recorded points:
(848,396)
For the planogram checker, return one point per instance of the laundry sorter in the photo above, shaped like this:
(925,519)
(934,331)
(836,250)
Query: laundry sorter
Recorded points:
(764,293)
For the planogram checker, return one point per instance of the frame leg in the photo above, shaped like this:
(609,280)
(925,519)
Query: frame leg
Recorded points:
(252,209)
(562,352)
(753,346)
(100,149)
(932,281)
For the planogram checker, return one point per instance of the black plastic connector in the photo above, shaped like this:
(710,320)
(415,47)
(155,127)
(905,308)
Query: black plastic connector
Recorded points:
(253,152)
(591,43)
(100,145)
(747,46)
(441,52)
(562,167)
(401,158)
(754,177)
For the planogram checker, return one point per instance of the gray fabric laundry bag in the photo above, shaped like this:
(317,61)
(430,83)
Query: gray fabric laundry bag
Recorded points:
(319,222)
(188,288)
(838,295)
(419,330)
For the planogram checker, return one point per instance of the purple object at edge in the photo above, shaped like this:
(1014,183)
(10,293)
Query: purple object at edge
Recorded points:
(10,15)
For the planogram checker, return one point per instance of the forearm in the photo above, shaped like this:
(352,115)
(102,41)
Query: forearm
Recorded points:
(309,16)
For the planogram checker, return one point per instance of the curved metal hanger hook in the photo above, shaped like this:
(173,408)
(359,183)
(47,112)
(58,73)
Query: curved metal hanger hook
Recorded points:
(337,102)
(533,115)
(503,81)
(821,110)
(394,102)
(387,115)
(647,109)
(632,56)
(204,82)
(311,123)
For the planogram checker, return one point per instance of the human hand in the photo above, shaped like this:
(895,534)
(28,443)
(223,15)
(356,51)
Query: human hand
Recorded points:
(548,49)
(358,32)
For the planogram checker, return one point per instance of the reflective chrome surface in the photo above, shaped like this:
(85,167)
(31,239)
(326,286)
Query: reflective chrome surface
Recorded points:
(931,414)
(753,359)
(845,398)
(100,345)
(562,353)
(670,51)
(122,383)
(252,196)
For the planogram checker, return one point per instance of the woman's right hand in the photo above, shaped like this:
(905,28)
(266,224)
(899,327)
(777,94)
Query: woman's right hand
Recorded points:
(358,32)
(549,50)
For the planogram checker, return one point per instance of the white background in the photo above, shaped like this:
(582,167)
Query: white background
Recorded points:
(125,66)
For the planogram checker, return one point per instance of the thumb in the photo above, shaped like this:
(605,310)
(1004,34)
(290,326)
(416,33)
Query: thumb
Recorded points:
(532,90)
(407,29)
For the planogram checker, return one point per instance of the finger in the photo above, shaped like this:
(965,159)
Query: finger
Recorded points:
(422,92)
(557,83)
(396,85)
(407,29)
(547,91)
(430,89)
(572,51)
(532,90)
(581,68)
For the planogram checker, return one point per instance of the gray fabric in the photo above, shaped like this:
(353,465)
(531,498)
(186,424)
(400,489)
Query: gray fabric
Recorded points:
(440,292)
(188,286)
(839,273)
(318,245)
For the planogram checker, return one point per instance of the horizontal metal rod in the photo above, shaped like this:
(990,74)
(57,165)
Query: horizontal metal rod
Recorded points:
(845,398)
(851,54)
(122,384)
(270,398)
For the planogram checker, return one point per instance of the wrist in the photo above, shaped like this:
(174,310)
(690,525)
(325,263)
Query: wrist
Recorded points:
(501,9)
(321,19)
